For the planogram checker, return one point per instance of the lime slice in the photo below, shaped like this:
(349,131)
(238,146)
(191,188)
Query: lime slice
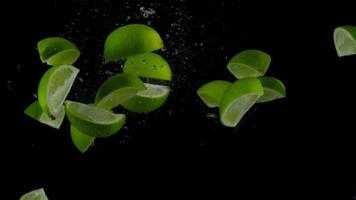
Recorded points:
(345,40)
(93,121)
(211,93)
(80,140)
(54,88)
(57,51)
(38,194)
(238,99)
(249,64)
(273,89)
(149,65)
(34,111)
(118,89)
(131,40)
(148,100)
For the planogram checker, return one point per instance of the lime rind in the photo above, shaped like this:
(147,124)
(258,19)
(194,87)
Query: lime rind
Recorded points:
(211,93)
(54,87)
(131,40)
(345,40)
(57,51)
(38,194)
(92,120)
(238,99)
(249,64)
(273,89)
(149,65)
(80,140)
(35,112)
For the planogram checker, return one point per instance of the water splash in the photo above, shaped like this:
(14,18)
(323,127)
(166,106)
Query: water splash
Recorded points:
(147,12)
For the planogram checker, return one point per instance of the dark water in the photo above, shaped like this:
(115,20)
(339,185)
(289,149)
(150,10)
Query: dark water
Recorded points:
(282,149)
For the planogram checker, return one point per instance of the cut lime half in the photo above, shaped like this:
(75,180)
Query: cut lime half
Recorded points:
(35,112)
(148,100)
(211,93)
(93,121)
(249,64)
(273,89)
(238,99)
(54,87)
(38,194)
(345,40)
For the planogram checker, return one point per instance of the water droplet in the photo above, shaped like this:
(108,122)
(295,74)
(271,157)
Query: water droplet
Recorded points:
(154,67)
(144,61)
(211,115)
(10,84)
(35,95)
(163,49)
(80,79)
(128,18)
(19,68)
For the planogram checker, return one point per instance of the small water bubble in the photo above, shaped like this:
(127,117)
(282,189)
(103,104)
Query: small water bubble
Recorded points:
(19,68)
(211,115)
(144,61)
(35,95)
(128,18)
(146,12)
(10,84)
(92,144)
(163,49)
(201,44)
(154,67)
(80,79)
(149,23)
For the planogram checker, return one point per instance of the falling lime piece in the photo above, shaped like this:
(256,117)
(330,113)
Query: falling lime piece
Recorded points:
(273,89)
(80,140)
(149,65)
(118,89)
(57,51)
(148,100)
(345,40)
(249,64)
(211,93)
(38,194)
(93,121)
(54,88)
(131,40)
(238,99)
(34,111)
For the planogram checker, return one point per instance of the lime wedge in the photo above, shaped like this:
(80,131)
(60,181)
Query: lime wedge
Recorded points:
(249,64)
(93,121)
(54,88)
(211,93)
(131,40)
(118,89)
(38,194)
(35,112)
(345,40)
(148,100)
(238,99)
(273,89)
(149,65)
(57,51)
(80,140)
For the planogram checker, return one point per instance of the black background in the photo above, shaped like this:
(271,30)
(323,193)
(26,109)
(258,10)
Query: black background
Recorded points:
(289,148)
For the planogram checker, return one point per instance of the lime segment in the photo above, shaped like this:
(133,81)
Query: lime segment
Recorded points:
(131,40)
(345,40)
(80,140)
(211,93)
(57,51)
(249,64)
(149,65)
(148,100)
(273,89)
(93,121)
(238,99)
(54,88)
(35,112)
(38,194)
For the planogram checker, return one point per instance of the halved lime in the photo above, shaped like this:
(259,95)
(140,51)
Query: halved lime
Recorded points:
(93,121)
(249,64)
(80,140)
(238,99)
(273,89)
(148,100)
(54,88)
(57,51)
(118,89)
(211,93)
(35,112)
(38,194)
(131,40)
(345,40)
(149,65)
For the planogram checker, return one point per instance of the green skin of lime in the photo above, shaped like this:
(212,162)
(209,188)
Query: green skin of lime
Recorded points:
(211,93)
(271,84)
(80,140)
(131,40)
